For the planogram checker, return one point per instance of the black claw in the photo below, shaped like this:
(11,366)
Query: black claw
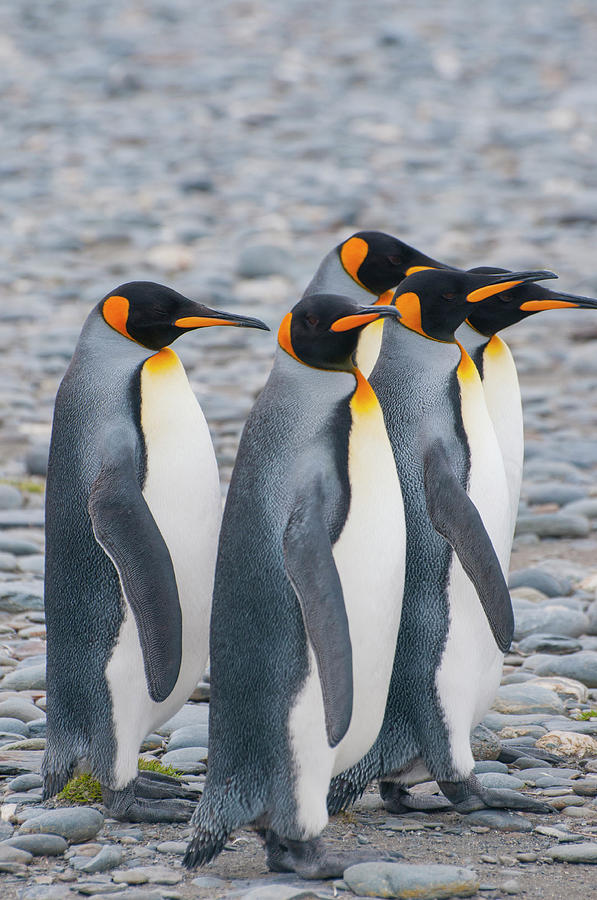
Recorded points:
(203,847)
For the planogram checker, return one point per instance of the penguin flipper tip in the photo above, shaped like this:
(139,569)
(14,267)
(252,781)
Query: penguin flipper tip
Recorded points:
(203,847)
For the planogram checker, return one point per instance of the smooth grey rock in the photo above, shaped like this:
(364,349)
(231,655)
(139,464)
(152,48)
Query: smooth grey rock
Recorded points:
(17,546)
(39,844)
(553,492)
(21,596)
(13,726)
(580,666)
(490,765)
(527,698)
(46,892)
(148,874)
(543,581)
(188,760)
(190,736)
(499,780)
(269,891)
(74,823)
(549,643)
(108,858)
(550,619)
(25,678)
(22,709)
(190,714)
(484,743)
(30,517)
(586,508)
(262,260)
(178,848)
(404,880)
(500,820)
(203,882)
(36,460)
(10,497)
(10,854)
(573,853)
(553,525)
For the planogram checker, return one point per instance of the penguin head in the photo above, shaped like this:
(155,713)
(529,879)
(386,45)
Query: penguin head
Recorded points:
(490,316)
(322,330)
(435,302)
(154,315)
(378,261)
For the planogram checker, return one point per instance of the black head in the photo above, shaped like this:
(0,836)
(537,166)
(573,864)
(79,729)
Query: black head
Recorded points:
(379,262)
(154,315)
(323,330)
(435,303)
(524,300)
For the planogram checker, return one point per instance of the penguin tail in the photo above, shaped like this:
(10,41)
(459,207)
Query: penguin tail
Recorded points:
(204,846)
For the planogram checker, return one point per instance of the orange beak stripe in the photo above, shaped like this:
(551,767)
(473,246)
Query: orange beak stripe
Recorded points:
(201,322)
(538,305)
(414,269)
(489,290)
(346,323)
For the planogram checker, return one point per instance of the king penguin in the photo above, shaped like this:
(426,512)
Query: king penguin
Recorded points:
(132,520)
(307,595)
(457,618)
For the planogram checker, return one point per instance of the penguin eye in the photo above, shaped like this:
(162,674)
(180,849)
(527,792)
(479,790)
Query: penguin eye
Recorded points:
(312,320)
(449,296)
(394,260)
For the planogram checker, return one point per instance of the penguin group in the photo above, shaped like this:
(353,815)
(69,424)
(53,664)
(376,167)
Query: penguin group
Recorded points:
(352,597)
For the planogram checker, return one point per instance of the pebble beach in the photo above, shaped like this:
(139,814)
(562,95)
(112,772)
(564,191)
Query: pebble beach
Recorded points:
(223,149)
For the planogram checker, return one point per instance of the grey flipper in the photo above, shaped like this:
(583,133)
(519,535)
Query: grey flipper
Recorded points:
(125,528)
(312,572)
(457,519)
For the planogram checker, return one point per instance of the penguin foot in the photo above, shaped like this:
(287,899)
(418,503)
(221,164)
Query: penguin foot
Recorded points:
(470,795)
(398,800)
(156,789)
(125,806)
(310,859)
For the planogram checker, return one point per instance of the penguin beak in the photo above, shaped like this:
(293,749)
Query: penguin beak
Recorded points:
(559,301)
(496,284)
(365,316)
(204,317)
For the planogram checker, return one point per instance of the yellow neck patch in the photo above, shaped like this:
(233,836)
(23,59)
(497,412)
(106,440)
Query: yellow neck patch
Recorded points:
(116,312)
(161,362)
(467,370)
(364,399)
(495,347)
(353,254)
(385,299)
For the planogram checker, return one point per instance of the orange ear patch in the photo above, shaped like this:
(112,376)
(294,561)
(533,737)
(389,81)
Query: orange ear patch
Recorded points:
(353,254)
(409,306)
(284,336)
(116,312)
(538,305)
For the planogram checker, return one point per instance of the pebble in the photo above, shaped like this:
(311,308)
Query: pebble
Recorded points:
(548,643)
(25,678)
(76,823)
(484,744)
(108,858)
(540,580)
(190,736)
(10,497)
(580,666)
(526,698)
(190,714)
(39,844)
(490,765)
(188,760)
(573,853)
(11,854)
(145,874)
(272,892)
(205,882)
(13,726)
(552,619)
(178,848)
(46,892)
(500,820)
(499,780)
(18,597)
(579,746)
(403,880)
(17,708)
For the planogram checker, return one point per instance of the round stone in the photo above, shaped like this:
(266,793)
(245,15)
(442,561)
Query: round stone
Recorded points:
(75,824)
(39,844)
(405,880)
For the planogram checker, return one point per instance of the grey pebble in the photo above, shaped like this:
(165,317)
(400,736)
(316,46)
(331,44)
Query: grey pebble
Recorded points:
(75,823)
(178,848)
(13,726)
(573,853)
(46,892)
(22,709)
(580,666)
(36,460)
(25,678)
(10,497)
(203,882)
(500,820)
(10,854)
(190,714)
(17,546)
(500,780)
(526,698)
(21,596)
(39,844)
(552,619)
(145,874)
(407,880)
(548,643)
(484,743)
(553,492)
(490,765)
(108,858)
(188,760)
(31,517)
(189,736)
(261,260)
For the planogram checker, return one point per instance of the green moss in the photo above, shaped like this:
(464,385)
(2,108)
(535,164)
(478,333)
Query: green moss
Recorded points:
(86,789)
(586,715)
(26,485)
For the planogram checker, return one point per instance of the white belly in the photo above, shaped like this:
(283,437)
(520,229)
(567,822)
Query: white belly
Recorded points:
(369,556)
(502,395)
(469,675)
(182,491)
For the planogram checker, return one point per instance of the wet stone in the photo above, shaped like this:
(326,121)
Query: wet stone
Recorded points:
(499,819)
(402,880)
